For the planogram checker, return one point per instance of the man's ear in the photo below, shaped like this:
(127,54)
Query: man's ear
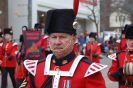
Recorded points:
(74,39)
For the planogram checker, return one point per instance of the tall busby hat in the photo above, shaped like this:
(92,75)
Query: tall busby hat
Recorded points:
(62,20)
(21,38)
(129,32)
(8,31)
(37,25)
(1,34)
(93,35)
(124,31)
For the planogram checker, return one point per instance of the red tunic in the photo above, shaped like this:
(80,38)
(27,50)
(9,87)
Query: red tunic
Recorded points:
(113,73)
(77,81)
(7,50)
(92,49)
(122,45)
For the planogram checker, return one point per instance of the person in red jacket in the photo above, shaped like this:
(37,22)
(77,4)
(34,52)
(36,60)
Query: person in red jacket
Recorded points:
(44,44)
(63,68)
(9,49)
(93,49)
(122,42)
(20,72)
(121,70)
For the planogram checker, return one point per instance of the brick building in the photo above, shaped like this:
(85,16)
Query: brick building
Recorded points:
(3,14)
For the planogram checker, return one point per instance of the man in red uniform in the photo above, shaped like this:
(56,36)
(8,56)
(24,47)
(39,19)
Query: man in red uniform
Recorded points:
(121,70)
(93,50)
(63,68)
(44,43)
(8,53)
(20,72)
(122,42)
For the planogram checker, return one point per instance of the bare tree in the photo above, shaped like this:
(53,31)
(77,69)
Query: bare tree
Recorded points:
(94,9)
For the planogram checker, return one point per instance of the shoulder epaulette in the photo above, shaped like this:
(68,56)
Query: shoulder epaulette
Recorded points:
(14,44)
(31,66)
(94,68)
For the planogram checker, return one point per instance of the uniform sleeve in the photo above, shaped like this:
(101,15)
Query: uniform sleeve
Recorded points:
(95,81)
(118,47)
(86,52)
(14,50)
(113,73)
(98,51)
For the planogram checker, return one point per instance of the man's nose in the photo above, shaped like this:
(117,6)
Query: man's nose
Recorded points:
(57,41)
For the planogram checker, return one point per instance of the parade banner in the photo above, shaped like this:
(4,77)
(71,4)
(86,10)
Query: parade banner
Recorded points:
(91,2)
(32,42)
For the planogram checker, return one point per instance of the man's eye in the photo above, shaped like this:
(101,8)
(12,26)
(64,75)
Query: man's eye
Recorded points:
(54,37)
(62,37)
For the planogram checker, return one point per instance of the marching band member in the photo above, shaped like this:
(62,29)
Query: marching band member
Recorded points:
(8,64)
(63,68)
(121,70)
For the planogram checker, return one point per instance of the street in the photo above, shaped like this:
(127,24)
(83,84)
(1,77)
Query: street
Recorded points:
(109,84)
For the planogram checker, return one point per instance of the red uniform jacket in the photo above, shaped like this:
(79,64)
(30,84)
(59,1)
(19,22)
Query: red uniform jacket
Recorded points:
(92,49)
(20,71)
(114,74)
(122,45)
(7,50)
(76,81)
(44,45)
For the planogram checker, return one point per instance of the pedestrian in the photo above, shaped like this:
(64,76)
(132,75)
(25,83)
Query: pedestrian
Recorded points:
(81,40)
(63,69)
(9,49)
(122,42)
(121,70)
(93,50)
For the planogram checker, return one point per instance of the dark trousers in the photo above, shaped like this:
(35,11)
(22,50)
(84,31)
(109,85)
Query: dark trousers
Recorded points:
(18,82)
(5,71)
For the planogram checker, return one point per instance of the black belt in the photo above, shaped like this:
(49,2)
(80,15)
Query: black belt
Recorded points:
(130,83)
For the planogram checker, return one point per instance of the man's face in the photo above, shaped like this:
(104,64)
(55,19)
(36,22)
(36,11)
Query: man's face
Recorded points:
(123,35)
(61,43)
(1,39)
(92,39)
(130,43)
(8,37)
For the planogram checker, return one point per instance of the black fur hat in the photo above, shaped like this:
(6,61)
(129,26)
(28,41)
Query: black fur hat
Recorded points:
(1,34)
(124,31)
(129,32)
(37,25)
(60,20)
(8,31)
(93,35)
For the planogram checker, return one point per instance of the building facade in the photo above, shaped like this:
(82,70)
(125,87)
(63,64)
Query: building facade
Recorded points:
(3,14)
(29,12)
